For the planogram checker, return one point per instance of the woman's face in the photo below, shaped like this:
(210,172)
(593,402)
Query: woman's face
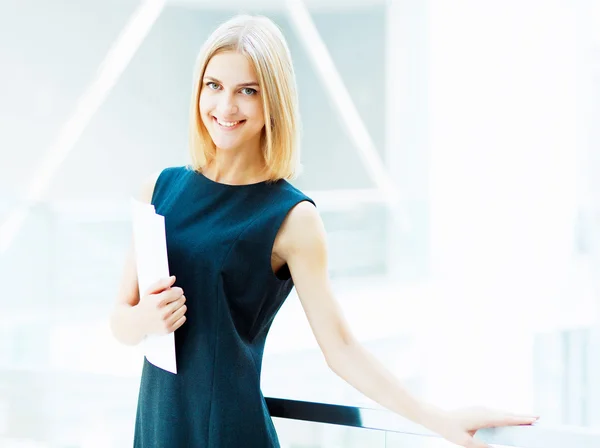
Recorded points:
(230,102)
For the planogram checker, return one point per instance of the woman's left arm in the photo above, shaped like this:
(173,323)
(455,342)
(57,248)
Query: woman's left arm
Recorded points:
(302,244)
(303,247)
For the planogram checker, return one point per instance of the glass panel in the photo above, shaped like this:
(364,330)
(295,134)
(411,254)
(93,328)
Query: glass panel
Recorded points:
(548,440)
(393,440)
(410,441)
(64,409)
(488,287)
(302,434)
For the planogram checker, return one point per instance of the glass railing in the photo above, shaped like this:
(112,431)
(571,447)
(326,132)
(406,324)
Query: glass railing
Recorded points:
(319,425)
(59,409)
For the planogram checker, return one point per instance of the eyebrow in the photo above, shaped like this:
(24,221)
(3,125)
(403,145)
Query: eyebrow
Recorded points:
(245,84)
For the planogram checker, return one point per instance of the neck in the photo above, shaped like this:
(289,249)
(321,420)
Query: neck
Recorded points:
(236,167)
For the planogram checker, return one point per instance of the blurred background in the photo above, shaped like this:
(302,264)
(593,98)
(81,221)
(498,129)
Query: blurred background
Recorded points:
(450,147)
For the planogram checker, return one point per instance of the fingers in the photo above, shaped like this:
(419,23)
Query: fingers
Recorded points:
(517,421)
(178,324)
(492,418)
(175,307)
(160,285)
(504,413)
(523,416)
(511,419)
(169,296)
(176,316)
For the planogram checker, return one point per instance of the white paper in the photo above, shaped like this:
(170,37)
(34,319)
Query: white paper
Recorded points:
(150,244)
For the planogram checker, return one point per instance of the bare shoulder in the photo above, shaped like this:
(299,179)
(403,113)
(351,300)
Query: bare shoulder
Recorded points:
(303,227)
(303,213)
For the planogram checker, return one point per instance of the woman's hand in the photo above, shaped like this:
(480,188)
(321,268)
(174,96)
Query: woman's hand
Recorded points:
(460,426)
(161,309)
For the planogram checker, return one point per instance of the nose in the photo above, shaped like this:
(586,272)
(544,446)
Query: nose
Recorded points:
(227,105)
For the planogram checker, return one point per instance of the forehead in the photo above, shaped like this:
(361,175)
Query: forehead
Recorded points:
(231,67)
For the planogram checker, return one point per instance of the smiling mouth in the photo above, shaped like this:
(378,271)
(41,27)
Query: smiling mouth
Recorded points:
(229,124)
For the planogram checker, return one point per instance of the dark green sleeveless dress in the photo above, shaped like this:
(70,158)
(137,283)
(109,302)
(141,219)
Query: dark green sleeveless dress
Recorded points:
(219,243)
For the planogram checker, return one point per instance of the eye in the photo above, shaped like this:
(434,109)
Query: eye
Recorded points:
(212,85)
(248,91)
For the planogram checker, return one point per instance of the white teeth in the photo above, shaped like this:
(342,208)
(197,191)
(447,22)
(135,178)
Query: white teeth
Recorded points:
(227,124)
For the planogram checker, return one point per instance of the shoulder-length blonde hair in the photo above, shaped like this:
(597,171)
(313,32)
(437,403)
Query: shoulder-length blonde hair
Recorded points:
(263,43)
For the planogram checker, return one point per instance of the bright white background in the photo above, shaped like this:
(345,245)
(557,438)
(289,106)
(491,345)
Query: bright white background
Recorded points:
(479,288)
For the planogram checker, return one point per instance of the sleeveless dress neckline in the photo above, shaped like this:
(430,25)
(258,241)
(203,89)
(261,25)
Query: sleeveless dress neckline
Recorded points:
(216,184)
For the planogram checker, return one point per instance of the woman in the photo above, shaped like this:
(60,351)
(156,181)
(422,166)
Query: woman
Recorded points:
(239,237)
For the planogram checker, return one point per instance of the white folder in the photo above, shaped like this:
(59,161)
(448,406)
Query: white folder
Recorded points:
(150,244)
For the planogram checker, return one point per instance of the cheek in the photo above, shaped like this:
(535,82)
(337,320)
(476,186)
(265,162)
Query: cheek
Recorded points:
(202,104)
(257,112)
(206,102)
(205,107)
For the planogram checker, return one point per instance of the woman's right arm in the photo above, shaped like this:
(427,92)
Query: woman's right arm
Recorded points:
(162,308)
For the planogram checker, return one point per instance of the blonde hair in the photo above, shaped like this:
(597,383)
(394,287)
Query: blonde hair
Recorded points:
(263,43)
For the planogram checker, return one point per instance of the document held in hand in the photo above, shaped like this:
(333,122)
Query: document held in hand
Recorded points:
(150,244)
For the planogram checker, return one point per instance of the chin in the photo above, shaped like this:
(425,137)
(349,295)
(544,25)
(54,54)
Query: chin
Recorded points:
(226,145)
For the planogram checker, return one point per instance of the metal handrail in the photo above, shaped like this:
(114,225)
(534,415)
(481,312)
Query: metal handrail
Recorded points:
(534,436)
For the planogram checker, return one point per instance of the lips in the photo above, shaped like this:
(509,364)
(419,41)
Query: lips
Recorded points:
(228,125)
